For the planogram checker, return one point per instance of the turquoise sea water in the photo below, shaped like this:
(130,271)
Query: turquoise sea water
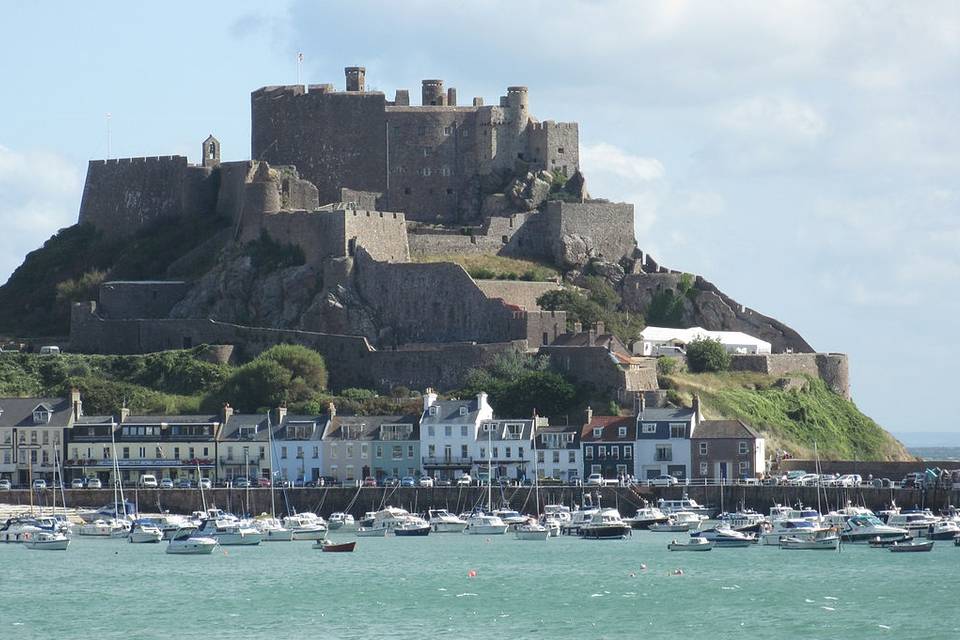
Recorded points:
(420,588)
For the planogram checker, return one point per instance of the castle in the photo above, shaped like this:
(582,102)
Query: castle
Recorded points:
(366,189)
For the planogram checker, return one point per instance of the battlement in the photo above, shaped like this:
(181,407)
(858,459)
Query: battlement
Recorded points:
(551,124)
(275,92)
(180,160)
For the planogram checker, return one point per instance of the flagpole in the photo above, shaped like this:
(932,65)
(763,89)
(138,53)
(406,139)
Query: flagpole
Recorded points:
(299,68)
(108,136)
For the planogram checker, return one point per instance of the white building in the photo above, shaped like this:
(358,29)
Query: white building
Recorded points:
(660,341)
(448,434)
(663,440)
(506,447)
(558,452)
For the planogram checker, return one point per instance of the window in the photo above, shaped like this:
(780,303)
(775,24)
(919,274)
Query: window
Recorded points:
(447,131)
(379,451)
(628,451)
(6,457)
(744,447)
(507,454)
(449,192)
(421,130)
(430,430)
(432,450)
(483,452)
(364,450)
(594,468)
(622,432)
(406,192)
(704,469)
(664,453)
(46,437)
(33,456)
(556,457)
(464,132)
(649,427)
(333,452)
(744,467)
(33,437)
(621,469)
(300,452)
(424,171)
(703,448)
(560,150)
(496,452)
(540,457)
(588,453)
(316,452)
(572,457)
(601,452)
(349,453)
(126,453)
(426,152)
(520,452)
(349,472)
(463,411)
(445,171)
(463,451)
(448,431)
(283,453)
(598,432)
(46,456)
(176,453)
(678,429)
(463,430)
(397,453)
(143,452)
(615,453)
(190,453)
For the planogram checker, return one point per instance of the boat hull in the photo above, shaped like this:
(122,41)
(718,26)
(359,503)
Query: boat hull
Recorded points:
(670,528)
(364,532)
(192,548)
(677,546)
(608,532)
(412,533)
(532,535)
(486,530)
(277,535)
(645,524)
(238,539)
(309,534)
(327,547)
(915,547)
(448,527)
(826,544)
(145,538)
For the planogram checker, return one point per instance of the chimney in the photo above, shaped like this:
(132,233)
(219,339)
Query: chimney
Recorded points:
(75,403)
(227,412)
(355,78)
(697,415)
(598,327)
(451,97)
(591,337)
(589,414)
(331,410)
(124,414)
(402,98)
(478,102)
(481,400)
(429,398)
(577,327)
(281,413)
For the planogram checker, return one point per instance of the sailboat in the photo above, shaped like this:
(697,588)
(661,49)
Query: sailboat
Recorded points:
(481,523)
(268,524)
(532,529)
(116,526)
(41,539)
(822,539)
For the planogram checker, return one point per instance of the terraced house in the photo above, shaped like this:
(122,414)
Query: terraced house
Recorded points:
(608,445)
(449,432)
(32,433)
(663,439)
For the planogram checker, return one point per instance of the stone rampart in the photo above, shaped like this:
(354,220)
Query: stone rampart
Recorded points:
(122,195)
(832,368)
(140,299)
(517,292)
(599,367)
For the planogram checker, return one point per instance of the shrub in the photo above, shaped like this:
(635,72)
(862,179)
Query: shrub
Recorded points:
(667,366)
(706,355)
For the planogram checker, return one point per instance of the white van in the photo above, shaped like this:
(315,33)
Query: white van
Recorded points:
(50,350)
(148,481)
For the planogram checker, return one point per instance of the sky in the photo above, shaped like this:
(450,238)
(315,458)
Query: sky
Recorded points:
(803,156)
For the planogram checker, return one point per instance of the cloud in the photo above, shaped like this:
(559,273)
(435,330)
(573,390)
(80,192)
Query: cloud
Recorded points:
(39,194)
(787,119)
(606,158)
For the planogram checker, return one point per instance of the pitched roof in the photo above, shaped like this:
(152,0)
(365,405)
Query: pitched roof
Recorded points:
(725,429)
(499,430)
(448,412)
(189,419)
(18,412)
(582,339)
(361,427)
(658,414)
(610,426)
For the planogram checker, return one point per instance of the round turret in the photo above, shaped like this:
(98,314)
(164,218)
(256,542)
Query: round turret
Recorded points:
(432,93)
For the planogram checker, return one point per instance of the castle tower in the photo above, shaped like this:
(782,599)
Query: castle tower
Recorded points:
(356,78)
(432,93)
(210,152)
(518,103)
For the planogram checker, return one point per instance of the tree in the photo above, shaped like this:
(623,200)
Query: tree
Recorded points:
(706,355)
(256,385)
(518,383)
(308,371)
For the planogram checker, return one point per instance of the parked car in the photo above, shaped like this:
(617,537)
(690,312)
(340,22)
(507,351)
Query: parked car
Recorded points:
(94,483)
(5,485)
(915,479)
(299,483)
(241,482)
(369,482)
(595,480)
(464,480)
(663,480)
(39,484)
(809,480)
(408,481)
(148,480)
(76,483)
(425,481)
(205,483)
(849,480)
(263,482)
(442,482)
(392,482)
(793,477)
(166,483)
(184,484)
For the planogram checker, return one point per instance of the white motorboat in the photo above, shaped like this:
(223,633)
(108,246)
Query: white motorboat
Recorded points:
(110,528)
(531,530)
(170,523)
(801,528)
(694,544)
(745,520)
(481,524)
(512,518)
(341,520)
(558,511)
(229,531)
(828,542)
(646,516)
(14,529)
(867,528)
(413,526)
(118,510)
(390,518)
(943,530)
(272,529)
(144,531)
(917,522)
(187,541)
(442,521)
(46,541)
(723,535)
(578,519)
(552,524)
(371,532)
(606,524)
(677,522)
(305,526)
(685,504)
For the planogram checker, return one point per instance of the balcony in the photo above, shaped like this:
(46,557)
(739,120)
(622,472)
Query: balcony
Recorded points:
(447,462)
(139,463)
(238,460)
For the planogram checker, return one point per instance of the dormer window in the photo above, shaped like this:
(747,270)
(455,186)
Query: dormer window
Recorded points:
(463,411)
(41,415)
(622,432)
(433,411)
(598,432)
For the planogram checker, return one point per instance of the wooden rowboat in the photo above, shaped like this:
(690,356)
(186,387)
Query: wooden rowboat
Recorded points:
(335,548)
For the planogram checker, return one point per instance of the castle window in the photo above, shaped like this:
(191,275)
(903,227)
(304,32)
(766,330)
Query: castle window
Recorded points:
(422,131)
(406,191)
(447,131)
(560,150)
(425,171)
(464,132)
(449,192)
(445,171)
(426,151)
(504,239)
(520,155)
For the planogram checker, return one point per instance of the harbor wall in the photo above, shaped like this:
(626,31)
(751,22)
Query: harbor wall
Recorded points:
(878,469)
(328,500)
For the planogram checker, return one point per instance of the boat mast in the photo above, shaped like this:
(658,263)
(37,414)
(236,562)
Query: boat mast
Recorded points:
(273,497)
(536,471)
(117,483)
(489,473)
(30,478)
(203,498)
(817,456)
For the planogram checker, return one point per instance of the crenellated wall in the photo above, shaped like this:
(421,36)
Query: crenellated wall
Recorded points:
(832,368)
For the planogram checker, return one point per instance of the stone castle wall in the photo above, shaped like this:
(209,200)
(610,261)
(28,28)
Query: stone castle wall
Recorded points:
(517,292)
(594,365)
(555,146)
(122,195)
(351,360)
(832,368)
(140,299)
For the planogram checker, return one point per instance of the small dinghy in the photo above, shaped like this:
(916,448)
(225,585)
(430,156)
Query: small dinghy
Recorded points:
(326,545)
(371,532)
(695,544)
(906,547)
(827,543)
(883,543)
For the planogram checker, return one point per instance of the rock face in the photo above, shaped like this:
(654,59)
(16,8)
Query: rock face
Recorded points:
(530,191)
(576,186)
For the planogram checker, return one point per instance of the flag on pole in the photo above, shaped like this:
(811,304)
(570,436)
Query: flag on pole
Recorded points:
(299,57)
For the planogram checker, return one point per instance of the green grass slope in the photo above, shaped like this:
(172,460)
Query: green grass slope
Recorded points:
(790,418)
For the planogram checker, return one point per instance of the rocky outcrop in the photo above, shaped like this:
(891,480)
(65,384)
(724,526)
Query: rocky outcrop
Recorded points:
(530,191)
